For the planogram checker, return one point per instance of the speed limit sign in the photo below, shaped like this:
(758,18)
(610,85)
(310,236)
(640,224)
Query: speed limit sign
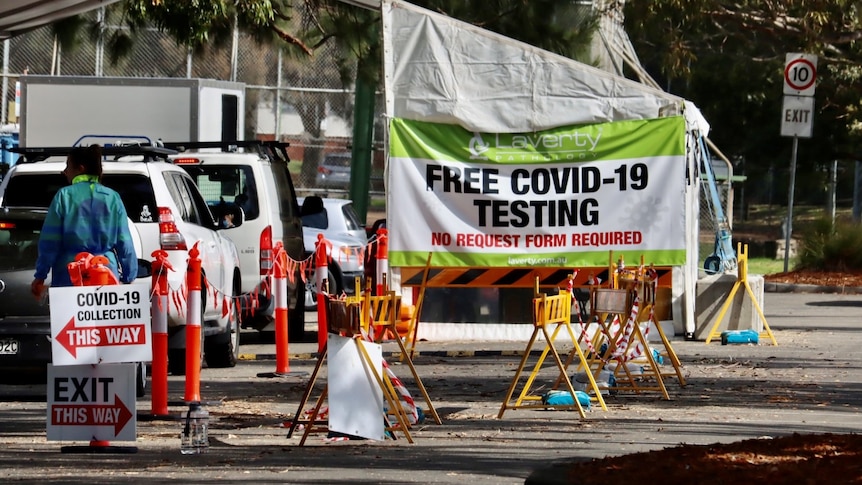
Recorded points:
(800,73)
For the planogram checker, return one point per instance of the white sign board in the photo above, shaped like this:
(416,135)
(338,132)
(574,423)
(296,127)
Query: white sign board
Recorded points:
(355,398)
(100,324)
(797,116)
(800,74)
(556,198)
(91,402)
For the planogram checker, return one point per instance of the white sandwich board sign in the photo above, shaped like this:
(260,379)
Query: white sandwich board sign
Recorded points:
(91,402)
(100,324)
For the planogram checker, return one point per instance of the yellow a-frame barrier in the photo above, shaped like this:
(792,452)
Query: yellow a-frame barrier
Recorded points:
(741,280)
(549,310)
(382,312)
(647,288)
(608,305)
(628,301)
(347,327)
(413,331)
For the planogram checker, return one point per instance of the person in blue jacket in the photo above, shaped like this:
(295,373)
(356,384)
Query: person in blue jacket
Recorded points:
(87,217)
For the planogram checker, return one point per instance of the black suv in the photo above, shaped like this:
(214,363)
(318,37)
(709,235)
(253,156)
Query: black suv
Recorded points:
(25,321)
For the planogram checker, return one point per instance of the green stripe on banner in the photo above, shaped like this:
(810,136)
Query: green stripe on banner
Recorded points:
(585,259)
(605,141)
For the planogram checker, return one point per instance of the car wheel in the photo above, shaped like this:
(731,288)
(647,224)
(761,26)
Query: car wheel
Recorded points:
(141,379)
(222,350)
(311,287)
(296,317)
(177,362)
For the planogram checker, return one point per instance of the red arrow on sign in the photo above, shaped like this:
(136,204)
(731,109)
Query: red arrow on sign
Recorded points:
(117,414)
(72,337)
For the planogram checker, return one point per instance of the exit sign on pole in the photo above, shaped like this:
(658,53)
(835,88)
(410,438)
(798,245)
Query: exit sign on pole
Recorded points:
(797,116)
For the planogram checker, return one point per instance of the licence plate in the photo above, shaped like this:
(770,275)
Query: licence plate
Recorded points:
(8,347)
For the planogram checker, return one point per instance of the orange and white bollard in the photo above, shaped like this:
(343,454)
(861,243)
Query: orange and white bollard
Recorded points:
(193,327)
(282,364)
(159,312)
(382,255)
(321,265)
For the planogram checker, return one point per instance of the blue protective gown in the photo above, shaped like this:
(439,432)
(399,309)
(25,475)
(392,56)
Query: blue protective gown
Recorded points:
(85,217)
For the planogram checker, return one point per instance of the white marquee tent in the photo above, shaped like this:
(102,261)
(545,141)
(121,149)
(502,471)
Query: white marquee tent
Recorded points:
(439,69)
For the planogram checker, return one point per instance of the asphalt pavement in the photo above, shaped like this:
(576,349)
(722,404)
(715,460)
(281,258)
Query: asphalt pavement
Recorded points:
(811,382)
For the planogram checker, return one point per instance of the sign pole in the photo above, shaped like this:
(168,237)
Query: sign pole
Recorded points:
(800,76)
(790,192)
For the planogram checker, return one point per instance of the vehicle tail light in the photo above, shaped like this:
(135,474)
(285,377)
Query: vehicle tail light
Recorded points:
(187,161)
(266,250)
(169,236)
(7,225)
(324,170)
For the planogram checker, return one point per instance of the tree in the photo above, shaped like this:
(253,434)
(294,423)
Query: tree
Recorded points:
(304,27)
(728,57)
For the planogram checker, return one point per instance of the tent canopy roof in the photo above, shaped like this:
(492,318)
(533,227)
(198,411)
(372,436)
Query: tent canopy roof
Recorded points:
(444,70)
(19,16)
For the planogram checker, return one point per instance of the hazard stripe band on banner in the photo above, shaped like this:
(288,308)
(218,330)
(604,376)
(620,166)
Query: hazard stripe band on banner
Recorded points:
(510,277)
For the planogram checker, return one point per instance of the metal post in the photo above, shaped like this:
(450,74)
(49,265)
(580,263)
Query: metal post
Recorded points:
(234,49)
(100,43)
(787,234)
(857,191)
(278,96)
(833,189)
(4,108)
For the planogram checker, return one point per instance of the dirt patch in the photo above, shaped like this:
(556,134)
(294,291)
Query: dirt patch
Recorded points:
(788,460)
(820,278)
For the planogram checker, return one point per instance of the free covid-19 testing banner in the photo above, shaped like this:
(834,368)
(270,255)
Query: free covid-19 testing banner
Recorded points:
(563,197)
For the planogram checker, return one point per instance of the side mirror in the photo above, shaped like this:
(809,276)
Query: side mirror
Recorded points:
(239,217)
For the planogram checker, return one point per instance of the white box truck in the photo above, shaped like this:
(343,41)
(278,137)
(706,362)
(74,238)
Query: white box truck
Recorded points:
(59,110)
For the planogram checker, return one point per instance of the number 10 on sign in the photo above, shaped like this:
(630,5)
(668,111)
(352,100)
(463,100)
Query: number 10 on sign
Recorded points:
(800,74)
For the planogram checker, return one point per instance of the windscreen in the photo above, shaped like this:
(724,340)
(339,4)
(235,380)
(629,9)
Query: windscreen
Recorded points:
(38,190)
(230,184)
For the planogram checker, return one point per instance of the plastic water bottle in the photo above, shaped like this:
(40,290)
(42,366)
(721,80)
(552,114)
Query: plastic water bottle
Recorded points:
(194,439)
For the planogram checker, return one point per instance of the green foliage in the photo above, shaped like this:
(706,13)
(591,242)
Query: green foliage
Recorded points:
(562,27)
(193,23)
(67,31)
(829,246)
(728,57)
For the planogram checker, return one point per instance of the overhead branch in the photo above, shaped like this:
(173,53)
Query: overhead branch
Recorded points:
(291,39)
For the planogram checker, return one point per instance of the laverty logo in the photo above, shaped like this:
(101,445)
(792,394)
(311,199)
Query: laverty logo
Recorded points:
(548,142)
(478,145)
(550,145)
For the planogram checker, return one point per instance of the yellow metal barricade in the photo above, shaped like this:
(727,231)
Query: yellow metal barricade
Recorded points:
(547,311)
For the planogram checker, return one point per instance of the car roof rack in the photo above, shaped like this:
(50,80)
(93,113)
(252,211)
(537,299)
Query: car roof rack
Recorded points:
(38,154)
(274,150)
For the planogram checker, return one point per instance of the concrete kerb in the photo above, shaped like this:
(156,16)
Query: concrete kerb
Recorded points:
(802,288)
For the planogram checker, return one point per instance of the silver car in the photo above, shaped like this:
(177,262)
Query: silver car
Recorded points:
(336,219)
(334,171)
